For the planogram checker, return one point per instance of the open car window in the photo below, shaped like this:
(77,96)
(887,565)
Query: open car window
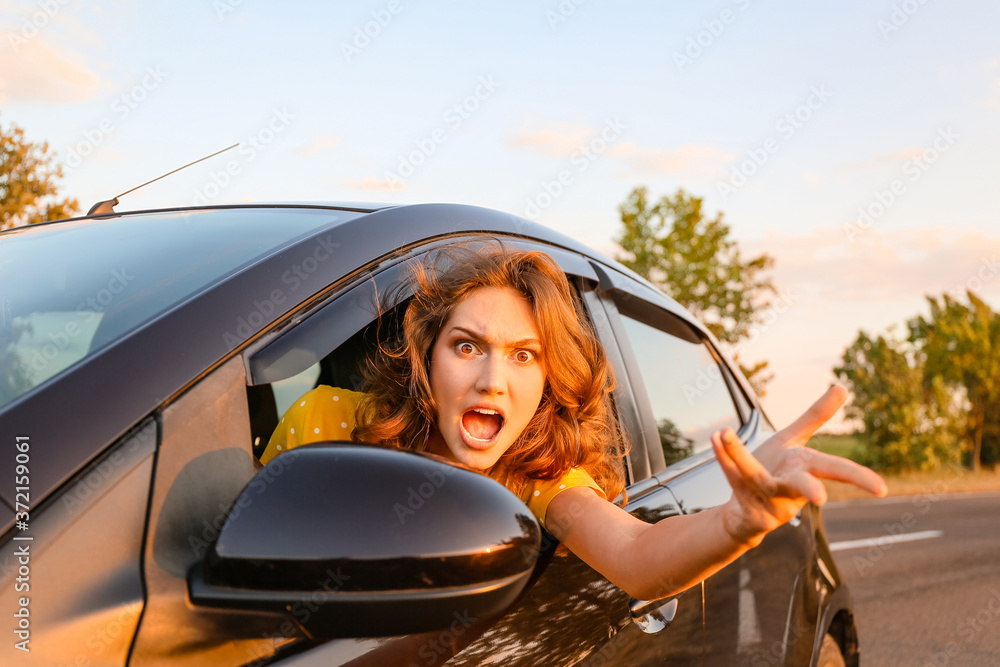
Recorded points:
(329,342)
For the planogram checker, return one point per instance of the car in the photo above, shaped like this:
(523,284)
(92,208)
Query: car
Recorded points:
(147,356)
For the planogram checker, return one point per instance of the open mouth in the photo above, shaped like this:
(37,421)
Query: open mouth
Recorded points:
(482,424)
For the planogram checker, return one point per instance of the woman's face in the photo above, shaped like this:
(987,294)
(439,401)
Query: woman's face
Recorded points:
(487,375)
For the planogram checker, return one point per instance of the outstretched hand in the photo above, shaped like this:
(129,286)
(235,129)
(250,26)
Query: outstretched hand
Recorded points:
(771,487)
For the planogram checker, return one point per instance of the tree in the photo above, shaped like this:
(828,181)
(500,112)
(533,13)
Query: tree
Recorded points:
(676,446)
(693,259)
(909,422)
(928,399)
(28,177)
(961,347)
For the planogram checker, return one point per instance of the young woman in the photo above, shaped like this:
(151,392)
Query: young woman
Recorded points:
(496,370)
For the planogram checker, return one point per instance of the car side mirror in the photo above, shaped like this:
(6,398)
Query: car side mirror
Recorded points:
(373,541)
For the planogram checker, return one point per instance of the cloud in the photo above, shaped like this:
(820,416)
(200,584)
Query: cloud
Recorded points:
(558,140)
(373,184)
(113,155)
(320,144)
(994,100)
(688,160)
(34,71)
(883,267)
(893,158)
(561,140)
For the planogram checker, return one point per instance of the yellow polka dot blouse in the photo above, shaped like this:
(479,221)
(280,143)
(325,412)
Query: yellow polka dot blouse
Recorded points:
(328,413)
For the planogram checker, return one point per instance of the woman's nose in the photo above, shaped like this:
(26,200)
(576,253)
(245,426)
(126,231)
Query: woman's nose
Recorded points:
(492,377)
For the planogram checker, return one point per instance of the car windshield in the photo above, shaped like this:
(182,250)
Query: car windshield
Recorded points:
(71,288)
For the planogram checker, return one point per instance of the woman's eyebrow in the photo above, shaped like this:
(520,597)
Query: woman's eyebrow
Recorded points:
(479,337)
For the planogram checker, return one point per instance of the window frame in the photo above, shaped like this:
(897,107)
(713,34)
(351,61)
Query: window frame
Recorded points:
(303,338)
(267,359)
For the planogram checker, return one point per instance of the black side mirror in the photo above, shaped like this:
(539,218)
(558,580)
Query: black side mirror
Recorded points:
(373,541)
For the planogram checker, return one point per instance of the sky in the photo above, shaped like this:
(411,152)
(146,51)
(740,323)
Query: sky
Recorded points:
(855,142)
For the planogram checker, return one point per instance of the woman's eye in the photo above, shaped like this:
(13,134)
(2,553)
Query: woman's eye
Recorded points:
(466,348)
(524,356)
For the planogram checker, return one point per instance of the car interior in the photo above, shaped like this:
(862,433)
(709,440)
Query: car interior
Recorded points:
(342,367)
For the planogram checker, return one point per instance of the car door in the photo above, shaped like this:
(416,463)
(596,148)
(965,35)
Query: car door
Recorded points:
(669,630)
(761,609)
(70,572)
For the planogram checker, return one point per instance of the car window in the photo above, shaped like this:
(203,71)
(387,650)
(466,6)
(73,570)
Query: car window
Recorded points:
(342,368)
(286,391)
(59,305)
(565,584)
(686,387)
(293,361)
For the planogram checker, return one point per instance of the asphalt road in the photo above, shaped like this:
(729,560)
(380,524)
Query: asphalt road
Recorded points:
(927,589)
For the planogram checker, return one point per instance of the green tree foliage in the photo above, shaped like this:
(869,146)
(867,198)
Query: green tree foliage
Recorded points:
(28,177)
(911,424)
(929,399)
(960,345)
(693,259)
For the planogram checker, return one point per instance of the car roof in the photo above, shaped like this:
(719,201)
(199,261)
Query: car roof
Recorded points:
(361,207)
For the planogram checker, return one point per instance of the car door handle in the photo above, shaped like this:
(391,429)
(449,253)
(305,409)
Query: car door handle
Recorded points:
(651,616)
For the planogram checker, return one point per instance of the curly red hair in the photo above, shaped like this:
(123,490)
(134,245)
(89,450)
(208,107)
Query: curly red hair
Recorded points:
(574,425)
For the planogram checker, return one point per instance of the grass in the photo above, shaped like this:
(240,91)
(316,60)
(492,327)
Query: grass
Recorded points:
(914,483)
(852,446)
(847,445)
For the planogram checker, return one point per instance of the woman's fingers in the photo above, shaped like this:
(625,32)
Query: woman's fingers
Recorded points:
(803,469)
(741,463)
(765,497)
(828,466)
(797,472)
(802,484)
(729,468)
(796,475)
(818,414)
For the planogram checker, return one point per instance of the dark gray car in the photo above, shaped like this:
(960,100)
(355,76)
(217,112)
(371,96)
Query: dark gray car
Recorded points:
(146,357)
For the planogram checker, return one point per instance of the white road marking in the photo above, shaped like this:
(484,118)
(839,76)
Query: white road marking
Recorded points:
(749,633)
(885,540)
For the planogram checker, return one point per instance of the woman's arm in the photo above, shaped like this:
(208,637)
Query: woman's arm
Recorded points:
(650,561)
